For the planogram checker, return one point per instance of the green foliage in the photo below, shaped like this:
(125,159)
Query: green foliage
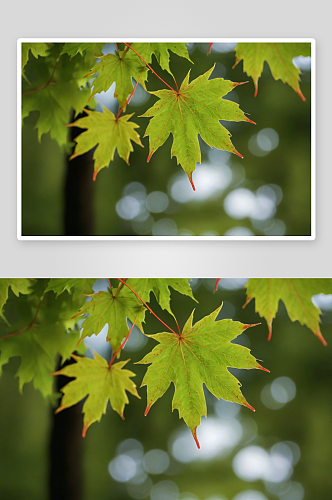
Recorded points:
(87,50)
(17,285)
(279,57)
(37,49)
(57,83)
(113,308)
(55,87)
(95,379)
(42,323)
(80,285)
(296,293)
(161,289)
(110,133)
(119,68)
(201,355)
(161,52)
(195,109)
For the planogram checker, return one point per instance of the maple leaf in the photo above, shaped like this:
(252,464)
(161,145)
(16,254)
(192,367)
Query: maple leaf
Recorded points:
(296,293)
(18,285)
(119,68)
(110,133)
(201,355)
(196,109)
(80,285)
(113,308)
(37,348)
(160,288)
(161,52)
(37,49)
(87,50)
(279,57)
(95,379)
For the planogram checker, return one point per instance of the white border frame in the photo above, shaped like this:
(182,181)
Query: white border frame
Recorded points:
(165,238)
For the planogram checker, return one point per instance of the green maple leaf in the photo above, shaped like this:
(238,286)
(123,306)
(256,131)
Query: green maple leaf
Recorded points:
(195,109)
(160,288)
(87,50)
(279,57)
(81,286)
(296,293)
(95,379)
(161,52)
(18,285)
(37,49)
(109,133)
(38,347)
(200,356)
(119,68)
(113,308)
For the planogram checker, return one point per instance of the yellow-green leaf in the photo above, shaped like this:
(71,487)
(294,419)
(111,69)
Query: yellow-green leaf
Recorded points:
(279,57)
(196,109)
(201,355)
(108,134)
(296,294)
(99,383)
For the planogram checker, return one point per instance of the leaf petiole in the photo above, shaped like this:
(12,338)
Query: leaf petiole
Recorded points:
(153,71)
(148,307)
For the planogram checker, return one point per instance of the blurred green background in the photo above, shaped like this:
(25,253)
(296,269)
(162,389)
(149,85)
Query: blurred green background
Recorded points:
(267,193)
(280,452)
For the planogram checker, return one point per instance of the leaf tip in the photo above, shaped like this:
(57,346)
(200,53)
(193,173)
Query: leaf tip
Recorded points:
(256,87)
(298,91)
(250,407)
(59,409)
(191,181)
(149,157)
(321,338)
(195,438)
(95,175)
(247,302)
(270,331)
(147,409)
(250,121)
(85,428)
(209,50)
(249,326)
(216,284)
(238,154)
(235,84)
(236,63)
(262,368)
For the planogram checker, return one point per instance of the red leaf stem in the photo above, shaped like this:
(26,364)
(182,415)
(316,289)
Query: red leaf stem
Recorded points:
(127,101)
(148,307)
(110,284)
(47,83)
(148,65)
(31,324)
(126,48)
(125,340)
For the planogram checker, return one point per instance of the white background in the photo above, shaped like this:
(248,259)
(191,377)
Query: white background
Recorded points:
(195,19)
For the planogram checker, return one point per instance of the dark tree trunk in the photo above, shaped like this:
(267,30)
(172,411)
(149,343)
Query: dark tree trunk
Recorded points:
(66,471)
(78,216)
